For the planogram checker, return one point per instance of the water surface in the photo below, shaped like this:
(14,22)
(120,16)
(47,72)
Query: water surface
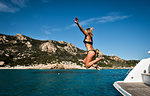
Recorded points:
(60,82)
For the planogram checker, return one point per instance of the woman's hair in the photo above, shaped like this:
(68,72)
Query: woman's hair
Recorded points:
(89,31)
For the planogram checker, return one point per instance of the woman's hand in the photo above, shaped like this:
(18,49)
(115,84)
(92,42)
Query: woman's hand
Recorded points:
(80,27)
(76,20)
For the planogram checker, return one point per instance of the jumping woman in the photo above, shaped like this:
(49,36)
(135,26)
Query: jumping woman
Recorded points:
(88,41)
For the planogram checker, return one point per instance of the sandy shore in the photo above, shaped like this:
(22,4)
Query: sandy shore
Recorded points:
(58,66)
(47,66)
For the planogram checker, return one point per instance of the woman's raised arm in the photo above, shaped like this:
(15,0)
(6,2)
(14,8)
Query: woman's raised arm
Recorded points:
(80,27)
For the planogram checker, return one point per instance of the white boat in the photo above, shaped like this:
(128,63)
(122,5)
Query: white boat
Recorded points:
(137,82)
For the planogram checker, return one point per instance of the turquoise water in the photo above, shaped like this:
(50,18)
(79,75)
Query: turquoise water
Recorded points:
(60,82)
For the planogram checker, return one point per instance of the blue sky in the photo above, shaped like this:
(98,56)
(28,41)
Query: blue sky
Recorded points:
(121,27)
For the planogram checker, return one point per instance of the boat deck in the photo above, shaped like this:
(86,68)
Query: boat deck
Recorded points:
(134,89)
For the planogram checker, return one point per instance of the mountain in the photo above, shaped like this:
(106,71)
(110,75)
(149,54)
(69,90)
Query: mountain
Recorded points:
(23,50)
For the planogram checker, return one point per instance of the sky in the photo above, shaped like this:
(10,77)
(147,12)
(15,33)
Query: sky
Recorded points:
(121,27)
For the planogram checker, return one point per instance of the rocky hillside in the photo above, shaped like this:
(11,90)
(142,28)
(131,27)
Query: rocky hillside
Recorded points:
(23,50)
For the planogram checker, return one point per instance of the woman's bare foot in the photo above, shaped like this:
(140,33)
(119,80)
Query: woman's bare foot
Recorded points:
(97,67)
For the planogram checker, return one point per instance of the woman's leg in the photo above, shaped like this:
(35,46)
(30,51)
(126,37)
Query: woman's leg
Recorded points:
(89,57)
(84,61)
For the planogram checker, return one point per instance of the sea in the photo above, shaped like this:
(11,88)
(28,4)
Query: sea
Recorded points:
(40,82)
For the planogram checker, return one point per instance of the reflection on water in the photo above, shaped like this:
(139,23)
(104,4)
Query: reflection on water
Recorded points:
(60,82)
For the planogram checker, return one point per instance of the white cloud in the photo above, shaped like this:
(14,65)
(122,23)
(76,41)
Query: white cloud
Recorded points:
(47,32)
(20,3)
(91,20)
(50,29)
(43,38)
(6,8)
(55,29)
(44,1)
(111,18)
(10,5)
(104,19)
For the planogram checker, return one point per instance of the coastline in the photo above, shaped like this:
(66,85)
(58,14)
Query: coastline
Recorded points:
(46,66)
(59,66)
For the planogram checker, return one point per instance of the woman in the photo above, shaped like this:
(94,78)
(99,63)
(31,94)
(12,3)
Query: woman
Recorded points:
(88,41)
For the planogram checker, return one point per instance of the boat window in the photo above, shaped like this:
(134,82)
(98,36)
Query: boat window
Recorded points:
(149,68)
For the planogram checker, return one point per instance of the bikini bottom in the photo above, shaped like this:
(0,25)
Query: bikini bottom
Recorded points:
(92,50)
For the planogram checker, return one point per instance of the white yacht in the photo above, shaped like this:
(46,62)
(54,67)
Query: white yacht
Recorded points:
(137,82)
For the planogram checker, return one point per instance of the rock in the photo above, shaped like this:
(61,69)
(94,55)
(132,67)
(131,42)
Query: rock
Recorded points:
(1,52)
(99,53)
(71,49)
(2,63)
(13,41)
(116,58)
(62,42)
(7,55)
(48,47)
(60,66)
(28,44)
(20,37)
(3,39)
(29,50)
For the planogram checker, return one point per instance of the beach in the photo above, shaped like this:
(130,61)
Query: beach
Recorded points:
(58,66)
(47,66)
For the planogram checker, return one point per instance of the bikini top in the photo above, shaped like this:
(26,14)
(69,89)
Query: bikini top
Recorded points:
(86,41)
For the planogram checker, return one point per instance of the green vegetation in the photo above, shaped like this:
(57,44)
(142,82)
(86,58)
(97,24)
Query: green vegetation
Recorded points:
(15,52)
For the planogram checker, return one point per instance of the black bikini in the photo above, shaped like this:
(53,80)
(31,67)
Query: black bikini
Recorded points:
(89,42)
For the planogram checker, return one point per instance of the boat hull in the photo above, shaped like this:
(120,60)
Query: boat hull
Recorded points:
(146,78)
